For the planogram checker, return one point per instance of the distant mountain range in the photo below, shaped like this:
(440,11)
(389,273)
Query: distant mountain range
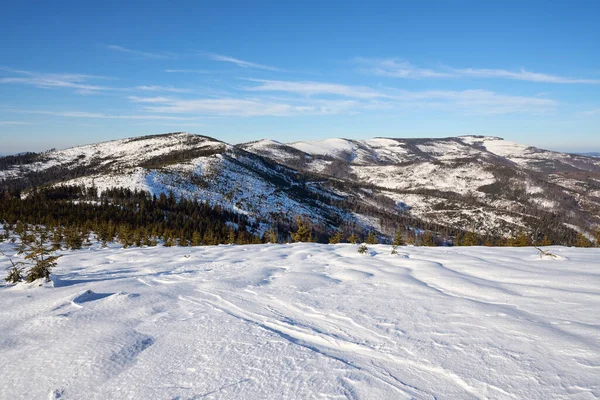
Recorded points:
(592,154)
(484,184)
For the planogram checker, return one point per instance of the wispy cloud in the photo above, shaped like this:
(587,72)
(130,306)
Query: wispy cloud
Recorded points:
(137,99)
(141,54)
(15,123)
(240,63)
(189,71)
(402,69)
(81,83)
(315,88)
(230,107)
(347,100)
(49,80)
(84,114)
(595,111)
(158,88)
(522,75)
(397,68)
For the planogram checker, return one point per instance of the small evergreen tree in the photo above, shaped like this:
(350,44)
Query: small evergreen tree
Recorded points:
(26,240)
(126,235)
(73,238)
(363,249)
(398,239)
(372,238)
(469,239)
(353,239)
(521,240)
(231,236)
(303,233)
(196,239)
(271,236)
(15,272)
(582,241)
(428,239)
(336,237)
(40,255)
(57,238)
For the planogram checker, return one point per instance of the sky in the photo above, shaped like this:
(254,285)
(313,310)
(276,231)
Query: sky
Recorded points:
(77,72)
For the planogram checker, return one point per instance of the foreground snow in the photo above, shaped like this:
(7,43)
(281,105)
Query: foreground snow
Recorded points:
(305,321)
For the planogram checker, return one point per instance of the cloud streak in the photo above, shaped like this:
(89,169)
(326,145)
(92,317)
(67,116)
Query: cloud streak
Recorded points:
(158,88)
(79,82)
(84,114)
(189,71)
(322,98)
(44,80)
(240,63)
(15,123)
(141,54)
(521,75)
(396,68)
(309,88)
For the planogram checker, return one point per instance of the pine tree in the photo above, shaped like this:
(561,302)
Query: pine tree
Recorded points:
(73,238)
(582,241)
(428,239)
(398,239)
(39,254)
(521,240)
(353,239)
(196,239)
(169,241)
(336,237)
(15,272)
(303,234)
(545,241)
(26,240)
(363,249)
(469,239)
(125,235)
(271,236)
(57,238)
(231,236)
(372,238)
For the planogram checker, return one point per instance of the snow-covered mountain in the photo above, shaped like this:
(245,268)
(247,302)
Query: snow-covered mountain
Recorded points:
(476,183)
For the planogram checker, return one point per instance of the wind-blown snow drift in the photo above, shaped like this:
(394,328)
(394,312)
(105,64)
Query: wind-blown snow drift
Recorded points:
(305,321)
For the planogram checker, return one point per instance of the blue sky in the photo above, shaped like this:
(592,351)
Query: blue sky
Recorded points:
(76,72)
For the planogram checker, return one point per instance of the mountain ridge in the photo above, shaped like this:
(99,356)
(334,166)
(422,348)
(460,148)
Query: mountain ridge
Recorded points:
(468,183)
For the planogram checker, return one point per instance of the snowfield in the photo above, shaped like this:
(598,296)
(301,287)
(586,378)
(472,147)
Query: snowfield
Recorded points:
(305,321)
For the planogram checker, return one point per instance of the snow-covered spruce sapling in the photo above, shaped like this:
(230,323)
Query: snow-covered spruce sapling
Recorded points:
(15,272)
(40,255)
(363,249)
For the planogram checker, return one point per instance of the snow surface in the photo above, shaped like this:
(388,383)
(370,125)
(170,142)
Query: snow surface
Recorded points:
(305,321)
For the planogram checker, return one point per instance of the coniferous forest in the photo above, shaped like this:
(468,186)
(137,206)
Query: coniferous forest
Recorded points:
(136,218)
